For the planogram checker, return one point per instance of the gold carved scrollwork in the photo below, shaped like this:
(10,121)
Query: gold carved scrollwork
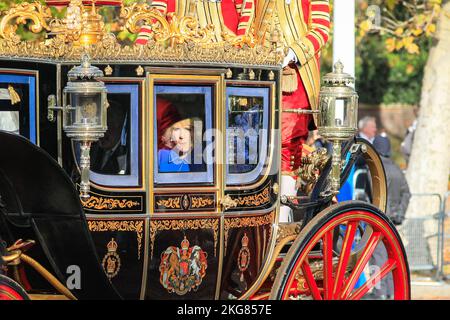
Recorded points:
(100,203)
(310,168)
(110,225)
(183,224)
(20,14)
(201,202)
(254,200)
(240,41)
(286,230)
(138,13)
(168,28)
(170,203)
(241,222)
(173,39)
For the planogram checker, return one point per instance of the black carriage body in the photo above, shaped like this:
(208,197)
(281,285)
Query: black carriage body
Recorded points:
(159,234)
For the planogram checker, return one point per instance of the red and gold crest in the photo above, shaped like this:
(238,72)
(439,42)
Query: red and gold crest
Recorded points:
(244,256)
(111,260)
(182,269)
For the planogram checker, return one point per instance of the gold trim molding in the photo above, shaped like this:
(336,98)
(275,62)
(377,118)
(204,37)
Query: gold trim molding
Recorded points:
(246,222)
(100,203)
(254,200)
(109,225)
(201,202)
(287,230)
(170,203)
(183,224)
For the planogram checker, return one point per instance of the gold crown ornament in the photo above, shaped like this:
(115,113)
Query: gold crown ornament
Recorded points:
(112,245)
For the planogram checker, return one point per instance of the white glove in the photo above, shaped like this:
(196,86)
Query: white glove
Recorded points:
(289,57)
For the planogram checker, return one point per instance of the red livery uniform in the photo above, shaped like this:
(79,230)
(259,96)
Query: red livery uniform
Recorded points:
(305,26)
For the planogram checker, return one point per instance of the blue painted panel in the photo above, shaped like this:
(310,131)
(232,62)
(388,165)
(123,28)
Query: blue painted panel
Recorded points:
(31,82)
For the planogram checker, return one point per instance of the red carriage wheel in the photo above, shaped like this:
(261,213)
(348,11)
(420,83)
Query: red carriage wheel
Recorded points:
(332,258)
(11,290)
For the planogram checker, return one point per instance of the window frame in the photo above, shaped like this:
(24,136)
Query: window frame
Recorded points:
(125,182)
(31,78)
(246,90)
(161,179)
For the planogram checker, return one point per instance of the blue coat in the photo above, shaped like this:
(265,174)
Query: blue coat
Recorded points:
(169,161)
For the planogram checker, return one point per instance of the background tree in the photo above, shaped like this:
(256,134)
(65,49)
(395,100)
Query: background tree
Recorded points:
(404,24)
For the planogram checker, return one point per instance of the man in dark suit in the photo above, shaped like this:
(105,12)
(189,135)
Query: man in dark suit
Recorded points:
(398,190)
(110,154)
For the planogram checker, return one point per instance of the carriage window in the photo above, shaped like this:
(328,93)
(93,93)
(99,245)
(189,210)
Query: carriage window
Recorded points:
(18,105)
(183,144)
(247,133)
(110,155)
(115,157)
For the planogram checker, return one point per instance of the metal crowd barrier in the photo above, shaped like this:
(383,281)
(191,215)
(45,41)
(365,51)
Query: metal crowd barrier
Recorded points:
(445,272)
(423,237)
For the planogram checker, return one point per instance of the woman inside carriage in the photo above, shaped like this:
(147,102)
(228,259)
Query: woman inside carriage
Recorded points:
(176,140)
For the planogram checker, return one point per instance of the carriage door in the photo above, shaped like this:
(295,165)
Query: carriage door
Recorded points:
(186,182)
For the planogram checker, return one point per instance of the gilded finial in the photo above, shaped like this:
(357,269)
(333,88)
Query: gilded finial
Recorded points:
(108,70)
(251,74)
(229,73)
(139,71)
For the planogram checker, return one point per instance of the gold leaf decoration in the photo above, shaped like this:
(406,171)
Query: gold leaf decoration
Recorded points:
(101,203)
(173,39)
(245,222)
(254,200)
(183,224)
(170,203)
(201,202)
(114,225)
(20,14)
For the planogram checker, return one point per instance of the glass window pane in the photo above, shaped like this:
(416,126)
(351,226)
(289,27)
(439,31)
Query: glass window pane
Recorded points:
(245,120)
(10,121)
(247,133)
(18,105)
(183,141)
(111,154)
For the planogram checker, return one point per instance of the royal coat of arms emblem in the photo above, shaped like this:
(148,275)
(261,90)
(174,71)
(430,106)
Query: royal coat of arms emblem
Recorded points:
(111,260)
(244,257)
(182,270)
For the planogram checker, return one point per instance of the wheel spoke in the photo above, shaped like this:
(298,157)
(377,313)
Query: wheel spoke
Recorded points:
(374,279)
(312,285)
(360,264)
(328,265)
(345,255)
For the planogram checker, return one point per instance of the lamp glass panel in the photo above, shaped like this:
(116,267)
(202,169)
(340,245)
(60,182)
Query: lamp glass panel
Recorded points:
(87,111)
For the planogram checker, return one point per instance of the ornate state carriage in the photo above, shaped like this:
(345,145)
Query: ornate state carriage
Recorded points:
(151,224)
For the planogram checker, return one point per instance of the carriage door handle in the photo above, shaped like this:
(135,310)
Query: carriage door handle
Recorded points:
(52,107)
(227,203)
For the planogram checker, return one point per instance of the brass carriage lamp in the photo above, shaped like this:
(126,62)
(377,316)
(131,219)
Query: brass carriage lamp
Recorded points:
(338,107)
(84,116)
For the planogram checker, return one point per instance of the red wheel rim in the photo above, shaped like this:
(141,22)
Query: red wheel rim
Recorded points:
(335,283)
(11,290)
(8,293)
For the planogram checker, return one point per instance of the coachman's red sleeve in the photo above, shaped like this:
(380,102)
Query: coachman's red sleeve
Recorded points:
(246,11)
